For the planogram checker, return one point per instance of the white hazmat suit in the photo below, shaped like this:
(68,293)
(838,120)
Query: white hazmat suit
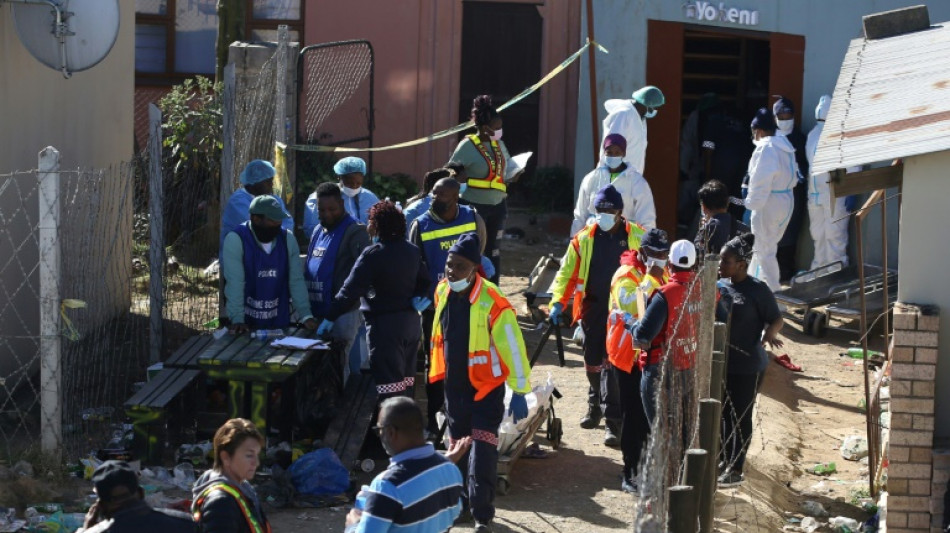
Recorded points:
(623,118)
(828,216)
(637,197)
(772,174)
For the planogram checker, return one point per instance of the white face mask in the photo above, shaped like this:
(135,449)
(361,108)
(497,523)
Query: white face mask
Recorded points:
(785,126)
(351,192)
(613,162)
(460,285)
(650,114)
(496,136)
(606,221)
(659,263)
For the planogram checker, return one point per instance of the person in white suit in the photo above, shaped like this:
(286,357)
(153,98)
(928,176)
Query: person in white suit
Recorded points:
(628,118)
(828,216)
(772,175)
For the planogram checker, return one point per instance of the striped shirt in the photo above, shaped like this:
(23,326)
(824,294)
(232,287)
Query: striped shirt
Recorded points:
(419,493)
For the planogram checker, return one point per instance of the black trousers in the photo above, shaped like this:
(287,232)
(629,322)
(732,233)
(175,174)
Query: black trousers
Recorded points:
(393,348)
(594,323)
(480,420)
(494,217)
(435,392)
(741,390)
(636,428)
(788,245)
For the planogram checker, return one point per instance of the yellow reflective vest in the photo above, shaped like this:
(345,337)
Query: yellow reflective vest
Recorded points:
(623,300)
(496,351)
(575,266)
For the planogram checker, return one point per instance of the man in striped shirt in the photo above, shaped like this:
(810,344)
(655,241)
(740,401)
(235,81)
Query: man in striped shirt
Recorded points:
(421,490)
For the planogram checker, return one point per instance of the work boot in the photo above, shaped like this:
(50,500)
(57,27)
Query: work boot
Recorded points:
(483,528)
(592,418)
(612,433)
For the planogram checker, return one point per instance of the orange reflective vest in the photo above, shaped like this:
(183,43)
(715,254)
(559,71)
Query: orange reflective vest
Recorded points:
(496,350)
(252,522)
(575,266)
(623,300)
(496,166)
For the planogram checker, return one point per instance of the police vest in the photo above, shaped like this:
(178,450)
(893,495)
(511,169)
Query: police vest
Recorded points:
(321,265)
(438,237)
(266,281)
(253,523)
(495,345)
(679,336)
(496,166)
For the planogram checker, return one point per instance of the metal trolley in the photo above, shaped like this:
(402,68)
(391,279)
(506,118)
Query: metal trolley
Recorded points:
(553,432)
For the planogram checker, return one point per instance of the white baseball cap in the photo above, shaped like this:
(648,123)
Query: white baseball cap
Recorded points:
(683,254)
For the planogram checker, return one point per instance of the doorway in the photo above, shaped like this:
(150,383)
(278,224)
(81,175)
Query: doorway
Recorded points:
(501,55)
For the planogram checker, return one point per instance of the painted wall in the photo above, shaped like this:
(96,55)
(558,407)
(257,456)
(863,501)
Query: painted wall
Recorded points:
(924,200)
(88,118)
(417,45)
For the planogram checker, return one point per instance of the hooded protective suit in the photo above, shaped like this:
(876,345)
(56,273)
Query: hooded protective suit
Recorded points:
(772,175)
(623,118)
(637,197)
(829,233)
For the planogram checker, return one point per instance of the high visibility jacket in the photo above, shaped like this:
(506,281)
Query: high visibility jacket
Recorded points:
(252,522)
(496,351)
(496,166)
(572,275)
(680,335)
(623,300)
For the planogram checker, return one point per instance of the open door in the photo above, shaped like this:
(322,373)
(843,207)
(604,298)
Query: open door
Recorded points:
(665,70)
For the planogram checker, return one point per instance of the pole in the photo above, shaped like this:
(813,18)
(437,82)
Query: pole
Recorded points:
(869,424)
(51,376)
(156,249)
(280,90)
(708,277)
(226,185)
(594,130)
(717,368)
(710,418)
(695,474)
(682,509)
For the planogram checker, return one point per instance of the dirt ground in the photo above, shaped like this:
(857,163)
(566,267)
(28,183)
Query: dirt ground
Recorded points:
(800,420)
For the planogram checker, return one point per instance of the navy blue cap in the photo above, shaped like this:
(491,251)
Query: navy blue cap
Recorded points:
(783,105)
(763,120)
(468,247)
(608,197)
(656,240)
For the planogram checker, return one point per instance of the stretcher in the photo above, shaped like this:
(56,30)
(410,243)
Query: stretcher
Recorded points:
(553,432)
(849,310)
(826,285)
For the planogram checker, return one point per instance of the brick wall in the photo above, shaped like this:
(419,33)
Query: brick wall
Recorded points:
(912,475)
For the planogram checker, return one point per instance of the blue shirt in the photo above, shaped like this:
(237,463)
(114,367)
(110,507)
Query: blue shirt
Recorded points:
(365,199)
(420,492)
(415,210)
(237,212)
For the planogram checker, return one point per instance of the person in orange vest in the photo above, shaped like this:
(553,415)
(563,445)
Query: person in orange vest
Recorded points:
(476,349)
(668,326)
(586,270)
(643,270)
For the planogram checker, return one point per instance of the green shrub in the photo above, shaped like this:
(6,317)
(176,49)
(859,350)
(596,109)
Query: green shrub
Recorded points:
(551,189)
(397,187)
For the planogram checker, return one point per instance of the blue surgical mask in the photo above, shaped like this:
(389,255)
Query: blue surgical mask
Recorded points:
(650,114)
(460,285)
(462,188)
(613,162)
(375,239)
(606,221)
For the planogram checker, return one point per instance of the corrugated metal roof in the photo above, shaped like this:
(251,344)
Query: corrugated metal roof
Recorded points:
(892,100)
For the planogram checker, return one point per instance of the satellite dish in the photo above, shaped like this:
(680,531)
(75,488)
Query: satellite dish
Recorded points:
(66,35)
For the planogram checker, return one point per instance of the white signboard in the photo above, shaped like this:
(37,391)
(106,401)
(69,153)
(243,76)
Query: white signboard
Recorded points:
(705,11)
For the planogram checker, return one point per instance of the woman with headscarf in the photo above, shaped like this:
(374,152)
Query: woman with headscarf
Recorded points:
(754,322)
(485,158)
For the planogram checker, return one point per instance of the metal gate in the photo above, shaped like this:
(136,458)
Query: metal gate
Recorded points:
(335,87)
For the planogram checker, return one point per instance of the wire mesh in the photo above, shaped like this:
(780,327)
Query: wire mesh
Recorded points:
(102,349)
(335,93)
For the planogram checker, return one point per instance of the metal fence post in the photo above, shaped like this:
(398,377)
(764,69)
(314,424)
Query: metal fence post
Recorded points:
(710,418)
(51,376)
(156,223)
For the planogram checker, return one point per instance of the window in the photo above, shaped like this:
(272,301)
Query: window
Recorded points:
(175,39)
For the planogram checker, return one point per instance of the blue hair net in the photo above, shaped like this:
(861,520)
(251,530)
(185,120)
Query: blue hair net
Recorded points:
(349,165)
(257,171)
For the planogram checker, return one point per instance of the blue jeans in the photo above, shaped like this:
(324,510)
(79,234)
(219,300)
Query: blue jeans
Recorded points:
(346,327)
(648,384)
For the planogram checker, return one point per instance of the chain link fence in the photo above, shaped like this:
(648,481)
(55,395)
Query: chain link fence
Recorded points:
(73,319)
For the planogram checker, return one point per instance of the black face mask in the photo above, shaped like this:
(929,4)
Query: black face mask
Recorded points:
(266,234)
(441,208)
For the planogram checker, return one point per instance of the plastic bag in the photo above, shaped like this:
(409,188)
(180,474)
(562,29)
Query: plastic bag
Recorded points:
(184,476)
(812,508)
(320,473)
(843,523)
(854,448)
(809,525)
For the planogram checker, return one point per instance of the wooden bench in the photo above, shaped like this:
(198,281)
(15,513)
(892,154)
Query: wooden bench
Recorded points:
(347,431)
(149,410)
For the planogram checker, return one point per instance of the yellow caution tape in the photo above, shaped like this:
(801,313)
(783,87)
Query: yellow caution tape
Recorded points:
(282,188)
(465,125)
(69,330)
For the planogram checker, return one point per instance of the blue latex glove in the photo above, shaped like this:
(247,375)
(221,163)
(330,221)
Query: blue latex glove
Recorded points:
(518,407)
(420,303)
(629,320)
(488,266)
(556,311)
(325,328)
